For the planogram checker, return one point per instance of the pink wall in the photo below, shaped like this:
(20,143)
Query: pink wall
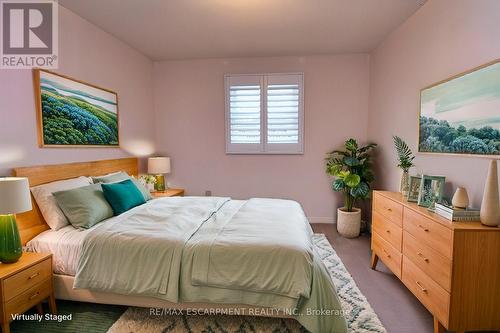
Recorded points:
(89,54)
(444,38)
(189,104)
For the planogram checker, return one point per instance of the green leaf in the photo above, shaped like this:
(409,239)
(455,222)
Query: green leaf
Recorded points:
(343,174)
(338,185)
(352,180)
(351,161)
(351,145)
(334,169)
(405,155)
(339,152)
(367,148)
(361,191)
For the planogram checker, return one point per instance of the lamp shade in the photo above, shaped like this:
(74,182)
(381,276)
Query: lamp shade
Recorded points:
(14,195)
(158,165)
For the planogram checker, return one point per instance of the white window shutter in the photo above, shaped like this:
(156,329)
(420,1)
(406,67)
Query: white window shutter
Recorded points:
(264,114)
(284,113)
(243,114)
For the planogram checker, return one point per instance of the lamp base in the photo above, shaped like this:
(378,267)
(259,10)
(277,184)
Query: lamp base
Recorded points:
(160,183)
(10,241)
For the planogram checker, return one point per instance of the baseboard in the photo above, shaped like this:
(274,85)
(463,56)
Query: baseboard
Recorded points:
(329,220)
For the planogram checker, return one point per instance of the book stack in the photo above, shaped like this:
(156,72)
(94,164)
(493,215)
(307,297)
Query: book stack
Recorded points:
(457,214)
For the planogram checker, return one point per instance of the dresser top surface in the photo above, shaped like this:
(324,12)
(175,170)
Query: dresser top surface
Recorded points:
(397,197)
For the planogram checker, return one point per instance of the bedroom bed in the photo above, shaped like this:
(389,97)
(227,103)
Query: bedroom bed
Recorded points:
(253,256)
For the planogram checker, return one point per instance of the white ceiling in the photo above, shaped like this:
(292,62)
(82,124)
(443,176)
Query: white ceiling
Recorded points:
(187,29)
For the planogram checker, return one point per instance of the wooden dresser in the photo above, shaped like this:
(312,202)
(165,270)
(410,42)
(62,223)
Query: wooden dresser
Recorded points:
(452,268)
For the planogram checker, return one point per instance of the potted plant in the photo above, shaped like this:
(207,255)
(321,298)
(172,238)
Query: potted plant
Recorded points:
(352,169)
(405,157)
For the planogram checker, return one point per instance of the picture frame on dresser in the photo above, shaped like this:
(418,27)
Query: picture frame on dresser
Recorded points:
(414,188)
(431,190)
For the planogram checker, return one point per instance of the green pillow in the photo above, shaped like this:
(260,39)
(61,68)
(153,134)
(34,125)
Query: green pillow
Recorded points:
(123,196)
(84,206)
(121,176)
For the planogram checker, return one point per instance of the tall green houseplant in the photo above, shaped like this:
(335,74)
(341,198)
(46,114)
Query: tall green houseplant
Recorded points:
(352,169)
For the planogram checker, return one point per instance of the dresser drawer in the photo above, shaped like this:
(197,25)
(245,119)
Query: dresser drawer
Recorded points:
(437,266)
(388,208)
(29,298)
(388,230)
(16,284)
(435,298)
(428,232)
(387,253)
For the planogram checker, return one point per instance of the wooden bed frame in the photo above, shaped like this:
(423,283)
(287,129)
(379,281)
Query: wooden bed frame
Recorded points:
(32,223)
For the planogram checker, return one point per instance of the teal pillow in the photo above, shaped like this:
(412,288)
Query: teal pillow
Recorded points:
(123,196)
(84,206)
(121,176)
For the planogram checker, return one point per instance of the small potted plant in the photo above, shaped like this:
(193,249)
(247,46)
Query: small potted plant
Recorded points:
(352,169)
(148,181)
(405,157)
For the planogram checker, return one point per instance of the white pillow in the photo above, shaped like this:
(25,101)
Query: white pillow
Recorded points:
(51,212)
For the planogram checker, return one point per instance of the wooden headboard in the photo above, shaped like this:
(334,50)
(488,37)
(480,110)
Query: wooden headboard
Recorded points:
(32,223)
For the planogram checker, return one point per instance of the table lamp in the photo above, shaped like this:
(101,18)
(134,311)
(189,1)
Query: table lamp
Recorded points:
(159,166)
(14,198)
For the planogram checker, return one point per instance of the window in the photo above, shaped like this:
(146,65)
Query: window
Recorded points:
(264,114)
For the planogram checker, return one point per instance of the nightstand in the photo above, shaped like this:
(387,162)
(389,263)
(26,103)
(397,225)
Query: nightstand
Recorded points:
(24,284)
(171,192)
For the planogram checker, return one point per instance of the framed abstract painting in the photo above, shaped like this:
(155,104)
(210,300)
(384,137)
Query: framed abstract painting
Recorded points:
(461,115)
(72,113)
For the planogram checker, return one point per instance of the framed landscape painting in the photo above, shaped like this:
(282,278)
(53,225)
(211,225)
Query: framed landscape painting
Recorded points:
(73,113)
(461,115)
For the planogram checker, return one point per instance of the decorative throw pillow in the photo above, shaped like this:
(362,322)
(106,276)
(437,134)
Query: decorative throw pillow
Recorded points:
(123,196)
(84,206)
(47,203)
(121,176)
(111,177)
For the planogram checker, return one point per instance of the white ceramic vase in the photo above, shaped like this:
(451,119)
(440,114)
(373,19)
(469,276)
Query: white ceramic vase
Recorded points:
(460,198)
(490,207)
(349,223)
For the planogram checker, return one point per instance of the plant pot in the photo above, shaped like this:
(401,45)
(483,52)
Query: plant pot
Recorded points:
(349,223)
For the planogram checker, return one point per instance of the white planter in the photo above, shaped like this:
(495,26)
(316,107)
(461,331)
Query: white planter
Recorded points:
(349,223)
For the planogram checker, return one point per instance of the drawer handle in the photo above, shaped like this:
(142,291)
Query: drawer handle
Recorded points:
(421,227)
(386,253)
(34,276)
(34,295)
(421,287)
(388,231)
(389,209)
(422,256)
